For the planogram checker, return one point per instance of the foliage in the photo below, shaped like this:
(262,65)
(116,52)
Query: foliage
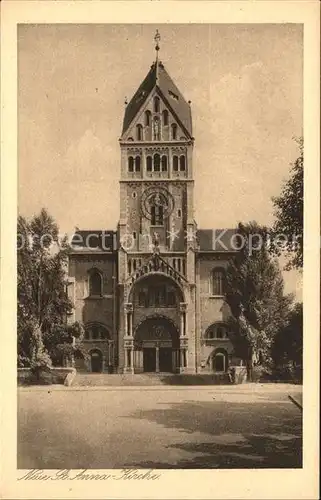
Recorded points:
(287,347)
(288,210)
(41,272)
(255,295)
(43,304)
(59,340)
(76,330)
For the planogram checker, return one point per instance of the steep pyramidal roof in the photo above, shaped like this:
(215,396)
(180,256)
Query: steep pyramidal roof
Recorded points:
(158,77)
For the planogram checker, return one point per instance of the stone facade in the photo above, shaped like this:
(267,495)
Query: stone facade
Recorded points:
(151,294)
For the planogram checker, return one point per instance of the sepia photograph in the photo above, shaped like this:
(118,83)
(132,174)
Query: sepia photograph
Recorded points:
(160,246)
(161,251)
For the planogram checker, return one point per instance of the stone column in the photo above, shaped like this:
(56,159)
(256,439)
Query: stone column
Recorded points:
(128,339)
(132,359)
(182,309)
(125,361)
(183,338)
(157,358)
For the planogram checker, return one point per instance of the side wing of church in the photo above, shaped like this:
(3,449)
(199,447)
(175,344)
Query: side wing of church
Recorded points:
(151,294)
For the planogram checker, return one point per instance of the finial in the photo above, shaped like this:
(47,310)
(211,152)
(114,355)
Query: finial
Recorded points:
(157,39)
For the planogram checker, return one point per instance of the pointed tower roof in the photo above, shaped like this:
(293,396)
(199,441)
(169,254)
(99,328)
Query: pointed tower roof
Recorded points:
(159,78)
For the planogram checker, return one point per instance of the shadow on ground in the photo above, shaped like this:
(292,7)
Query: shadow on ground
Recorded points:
(241,435)
(182,379)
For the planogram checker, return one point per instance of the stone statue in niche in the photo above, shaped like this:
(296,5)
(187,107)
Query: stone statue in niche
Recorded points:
(156,129)
(155,240)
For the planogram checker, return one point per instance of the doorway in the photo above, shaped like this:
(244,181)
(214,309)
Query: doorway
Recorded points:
(96,359)
(219,362)
(165,359)
(149,359)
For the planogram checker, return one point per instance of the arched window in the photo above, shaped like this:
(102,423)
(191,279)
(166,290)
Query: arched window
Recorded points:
(149,163)
(96,331)
(218,282)
(95,282)
(164,163)
(165,117)
(147,118)
(156,104)
(217,331)
(171,299)
(130,164)
(175,163)
(174,131)
(139,132)
(182,163)
(137,164)
(142,299)
(156,162)
(157,213)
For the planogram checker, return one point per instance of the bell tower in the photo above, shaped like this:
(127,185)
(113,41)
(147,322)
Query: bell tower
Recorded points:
(156,165)
(156,184)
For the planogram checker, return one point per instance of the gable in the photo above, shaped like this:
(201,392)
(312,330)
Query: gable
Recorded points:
(149,125)
(158,81)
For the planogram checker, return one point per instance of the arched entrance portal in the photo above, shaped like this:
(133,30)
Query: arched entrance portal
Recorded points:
(96,361)
(156,342)
(220,360)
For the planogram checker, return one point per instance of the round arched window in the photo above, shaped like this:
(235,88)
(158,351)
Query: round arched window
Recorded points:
(147,118)
(156,104)
(217,331)
(95,282)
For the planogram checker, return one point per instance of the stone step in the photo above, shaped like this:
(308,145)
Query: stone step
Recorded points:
(148,379)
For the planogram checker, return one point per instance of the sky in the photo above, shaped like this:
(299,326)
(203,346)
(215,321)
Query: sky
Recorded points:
(245,83)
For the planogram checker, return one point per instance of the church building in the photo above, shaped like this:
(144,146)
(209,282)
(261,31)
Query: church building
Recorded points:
(151,293)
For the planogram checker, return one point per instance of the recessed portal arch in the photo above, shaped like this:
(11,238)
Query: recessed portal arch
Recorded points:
(156,338)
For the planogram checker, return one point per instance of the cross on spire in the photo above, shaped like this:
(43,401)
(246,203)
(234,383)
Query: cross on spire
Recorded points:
(157,39)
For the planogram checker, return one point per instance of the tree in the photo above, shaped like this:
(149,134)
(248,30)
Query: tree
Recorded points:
(42,298)
(60,342)
(288,210)
(287,348)
(255,295)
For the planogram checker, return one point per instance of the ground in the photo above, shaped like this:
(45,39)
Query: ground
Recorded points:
(159,427)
